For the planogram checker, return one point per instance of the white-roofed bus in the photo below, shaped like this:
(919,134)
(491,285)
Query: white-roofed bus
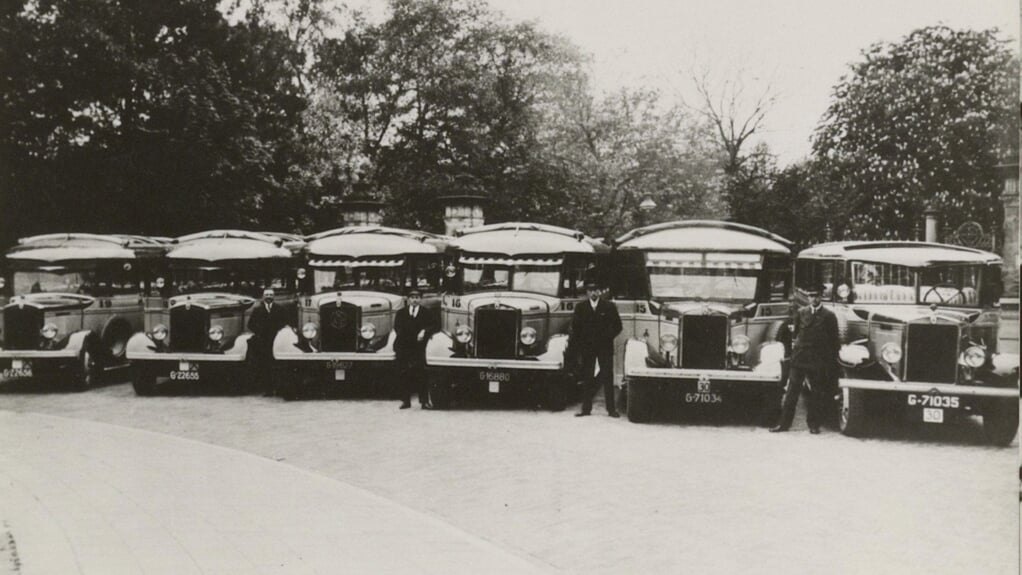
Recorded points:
(510,292)
(919,327)
(197,314)
(703,303)
(73,302)
(353,282)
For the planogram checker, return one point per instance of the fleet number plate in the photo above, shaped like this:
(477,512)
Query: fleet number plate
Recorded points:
(494,387)
(19,368)
(339,374)
(933,415)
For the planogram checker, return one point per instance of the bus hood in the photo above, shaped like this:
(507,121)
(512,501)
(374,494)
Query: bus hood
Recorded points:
(367,300)
(52,301)
(526,302)
(212,301)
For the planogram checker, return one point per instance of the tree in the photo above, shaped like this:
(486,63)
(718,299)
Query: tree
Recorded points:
(439,98)
(923,121)
(619,150)
(149,118)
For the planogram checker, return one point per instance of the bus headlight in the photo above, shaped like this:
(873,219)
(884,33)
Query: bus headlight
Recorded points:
(843,291)
(49,331)
(740,344)
(300,273)
(668,342)
(310,330)
(891,352)
(528,336)
(160,333)
(159,283)
(463,334)
(367,331)
(216,333)
(974,356)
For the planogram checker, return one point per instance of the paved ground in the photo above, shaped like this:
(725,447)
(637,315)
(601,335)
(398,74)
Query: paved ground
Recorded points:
(85,497)
(597,495)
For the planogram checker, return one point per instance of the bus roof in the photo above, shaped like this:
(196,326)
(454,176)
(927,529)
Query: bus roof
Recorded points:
(704,235)
(220,245)
(78,247)
(911,254)
(519,238)
(376,241)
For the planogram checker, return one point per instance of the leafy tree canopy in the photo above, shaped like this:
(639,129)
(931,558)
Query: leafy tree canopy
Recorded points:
(922,121)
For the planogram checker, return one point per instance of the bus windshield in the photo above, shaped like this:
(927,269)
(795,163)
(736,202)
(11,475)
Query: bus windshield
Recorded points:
(950,285)
(519,277)
(384,278)
(734,284)
(54,281)
(248,281)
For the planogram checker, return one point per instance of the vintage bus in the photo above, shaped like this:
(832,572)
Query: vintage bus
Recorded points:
(919,325)
(703,303)
(74,300)
(197,314)
(353,282)
(510,290)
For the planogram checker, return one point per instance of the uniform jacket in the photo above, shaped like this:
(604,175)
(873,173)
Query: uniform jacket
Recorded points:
(406,344)
(594,330)
(265,325)
(816,339)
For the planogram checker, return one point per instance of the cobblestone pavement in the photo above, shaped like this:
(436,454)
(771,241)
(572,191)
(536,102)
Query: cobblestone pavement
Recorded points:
(599,495)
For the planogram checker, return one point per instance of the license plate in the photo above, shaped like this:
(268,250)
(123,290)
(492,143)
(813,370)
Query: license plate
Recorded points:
(340,365)
(19,368)
(709,398)
(933,415)
(339,375)
(491,375)
(187,371)
(933,401)
(494,387)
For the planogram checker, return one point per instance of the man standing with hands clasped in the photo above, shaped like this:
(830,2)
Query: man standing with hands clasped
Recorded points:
(813,357)
(413,325)
(266,320)
(594,325)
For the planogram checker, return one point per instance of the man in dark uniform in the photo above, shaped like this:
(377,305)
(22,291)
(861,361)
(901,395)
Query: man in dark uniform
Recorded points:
(594,325)
(266,320)
(813,359)
(413,325)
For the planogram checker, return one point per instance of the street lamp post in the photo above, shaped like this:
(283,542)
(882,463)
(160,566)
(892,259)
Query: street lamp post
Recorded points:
(646,206)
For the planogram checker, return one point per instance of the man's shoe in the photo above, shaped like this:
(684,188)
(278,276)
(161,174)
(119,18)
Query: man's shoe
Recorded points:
(613,414)
(426,406)
(582,414)
(405,405)
(814,430)
(778,429)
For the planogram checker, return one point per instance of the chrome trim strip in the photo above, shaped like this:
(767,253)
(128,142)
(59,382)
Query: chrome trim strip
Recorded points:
(197,357)
(941,388)
(713,374)
(336,356)
(39,353)
(492,363)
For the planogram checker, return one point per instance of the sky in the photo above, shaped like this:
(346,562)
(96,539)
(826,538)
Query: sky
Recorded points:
(797,48)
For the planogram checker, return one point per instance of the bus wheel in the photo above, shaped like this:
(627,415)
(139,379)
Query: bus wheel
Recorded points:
(87,372)
(1000,422)
(557,394)
(853,420)
(144,382)
(640,401)
(439,392)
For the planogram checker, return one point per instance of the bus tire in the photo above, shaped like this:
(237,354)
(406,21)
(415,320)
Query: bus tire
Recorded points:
(439,391)
(1000,422)
(853,420)
(144,382)
(640,401)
